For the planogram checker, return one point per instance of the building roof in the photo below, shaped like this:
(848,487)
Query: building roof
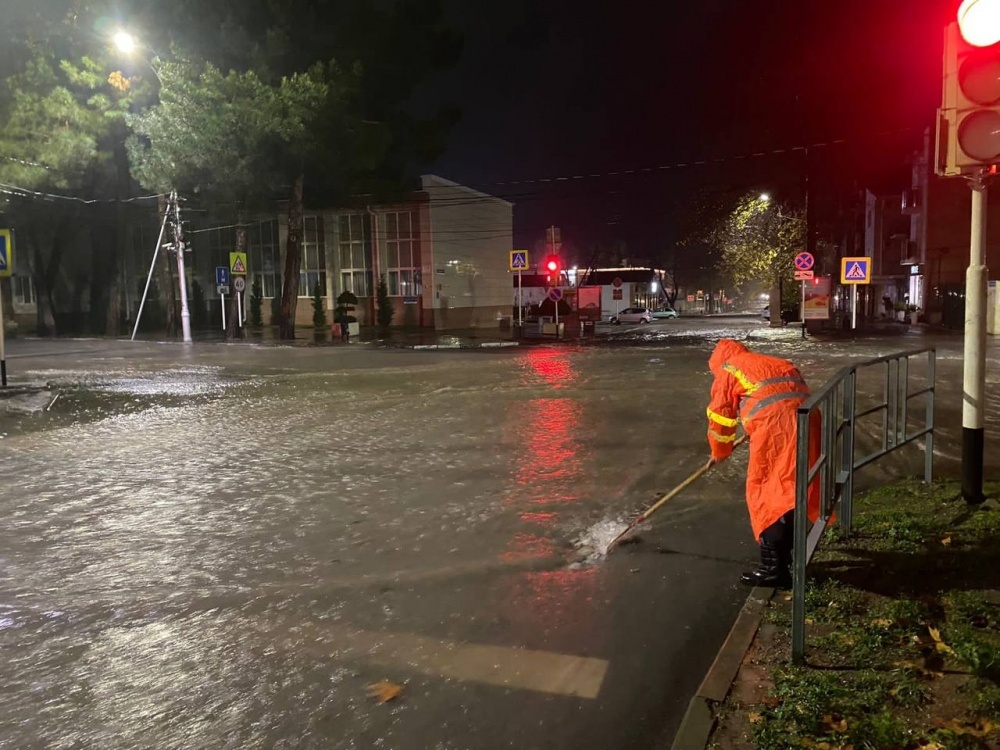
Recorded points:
(431,183)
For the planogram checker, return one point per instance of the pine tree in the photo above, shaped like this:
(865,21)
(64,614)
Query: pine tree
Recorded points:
(384,303)
(319,309)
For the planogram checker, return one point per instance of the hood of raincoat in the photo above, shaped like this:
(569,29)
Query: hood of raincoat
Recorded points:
(724,351)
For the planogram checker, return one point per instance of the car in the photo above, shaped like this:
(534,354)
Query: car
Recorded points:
(788,315)
(633,315)
(664,313)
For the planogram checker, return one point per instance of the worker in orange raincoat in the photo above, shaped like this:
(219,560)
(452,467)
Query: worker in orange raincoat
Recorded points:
(763,393)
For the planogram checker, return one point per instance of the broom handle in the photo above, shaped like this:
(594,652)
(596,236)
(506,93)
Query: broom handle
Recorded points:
(670,495)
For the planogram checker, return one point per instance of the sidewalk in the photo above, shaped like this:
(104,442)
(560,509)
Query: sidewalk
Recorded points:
(902,638)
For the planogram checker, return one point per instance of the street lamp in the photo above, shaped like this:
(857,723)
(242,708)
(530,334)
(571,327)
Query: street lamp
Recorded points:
(124,41)
(764,197)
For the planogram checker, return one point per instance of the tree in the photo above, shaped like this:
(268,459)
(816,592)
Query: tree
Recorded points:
(383,302)
(319,309)
(236,137)
(759,240)
(59,129)
(345,306)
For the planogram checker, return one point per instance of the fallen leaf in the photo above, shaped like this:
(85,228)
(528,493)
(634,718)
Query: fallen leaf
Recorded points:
(882,623)
(754,718)
(946,541)
(384,691)
(940,645)
(944,648)
(809,621)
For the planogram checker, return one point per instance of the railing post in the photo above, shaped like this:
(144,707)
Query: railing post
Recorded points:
(929,416)
(799,551)
(847,495)
(885,410)
(905,364)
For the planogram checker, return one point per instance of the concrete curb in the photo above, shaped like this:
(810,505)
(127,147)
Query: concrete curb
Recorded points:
(484,345)
(699,719)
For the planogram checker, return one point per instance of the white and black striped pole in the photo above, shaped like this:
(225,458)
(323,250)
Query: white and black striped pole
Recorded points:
(974,377)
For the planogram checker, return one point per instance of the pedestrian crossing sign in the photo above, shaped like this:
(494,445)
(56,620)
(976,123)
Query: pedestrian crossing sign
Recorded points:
(855,270)
(518,260)
(238,264)
(6,253)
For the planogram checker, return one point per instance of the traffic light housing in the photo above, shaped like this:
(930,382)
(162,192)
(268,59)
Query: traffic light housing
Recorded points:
(968,133)
(553,268)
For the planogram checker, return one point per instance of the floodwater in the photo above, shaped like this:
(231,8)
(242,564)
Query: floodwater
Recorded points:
(225,546)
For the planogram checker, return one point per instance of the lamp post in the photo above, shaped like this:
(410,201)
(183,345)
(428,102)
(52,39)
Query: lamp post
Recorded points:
(127,45)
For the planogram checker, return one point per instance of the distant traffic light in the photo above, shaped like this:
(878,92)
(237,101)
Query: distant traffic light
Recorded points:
(969,119)
(553,268)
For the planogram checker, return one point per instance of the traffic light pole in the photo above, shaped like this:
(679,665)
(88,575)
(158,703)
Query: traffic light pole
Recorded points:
(974,379)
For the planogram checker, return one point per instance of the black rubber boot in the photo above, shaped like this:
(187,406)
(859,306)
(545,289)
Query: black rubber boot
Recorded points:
(773,571)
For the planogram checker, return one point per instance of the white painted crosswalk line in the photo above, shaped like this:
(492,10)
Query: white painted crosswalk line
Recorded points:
(525,669)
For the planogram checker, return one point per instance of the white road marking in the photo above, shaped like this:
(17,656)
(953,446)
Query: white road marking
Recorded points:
(525,669)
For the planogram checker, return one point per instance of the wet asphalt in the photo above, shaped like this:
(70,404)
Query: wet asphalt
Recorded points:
(221,545)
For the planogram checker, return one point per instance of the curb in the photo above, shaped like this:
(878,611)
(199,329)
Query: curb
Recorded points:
(484,345)
(699,718)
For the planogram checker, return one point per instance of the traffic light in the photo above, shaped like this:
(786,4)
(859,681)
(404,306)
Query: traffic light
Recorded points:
(968,134)
(553,268)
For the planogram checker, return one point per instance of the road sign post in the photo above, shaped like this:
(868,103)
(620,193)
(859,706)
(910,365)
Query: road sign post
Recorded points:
(855,271)
(804,263)
(6,268)
(518,262)
(617,292)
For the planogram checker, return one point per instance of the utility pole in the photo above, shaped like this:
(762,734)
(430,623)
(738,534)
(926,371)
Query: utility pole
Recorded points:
(178,231)
(974,377)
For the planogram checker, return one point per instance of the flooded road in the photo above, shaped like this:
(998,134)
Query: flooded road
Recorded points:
(225,546)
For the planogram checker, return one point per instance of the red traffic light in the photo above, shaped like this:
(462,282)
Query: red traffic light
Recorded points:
(552,264)
(979,22)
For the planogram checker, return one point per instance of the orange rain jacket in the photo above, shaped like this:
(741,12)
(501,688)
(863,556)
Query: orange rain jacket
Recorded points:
(763,393)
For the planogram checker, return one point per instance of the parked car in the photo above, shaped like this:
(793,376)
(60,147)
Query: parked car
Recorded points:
(788,315)
(633,315)
(665,312)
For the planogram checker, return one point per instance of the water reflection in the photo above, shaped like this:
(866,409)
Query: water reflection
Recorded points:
(549,463)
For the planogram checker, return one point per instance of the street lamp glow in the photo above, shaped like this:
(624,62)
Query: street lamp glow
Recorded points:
(125,42)
(979,22)
(765,197)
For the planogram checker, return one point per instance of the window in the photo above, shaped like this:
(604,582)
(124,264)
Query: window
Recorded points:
(356,254)
(402,255)
(264,256)
(313,268)
(24,290)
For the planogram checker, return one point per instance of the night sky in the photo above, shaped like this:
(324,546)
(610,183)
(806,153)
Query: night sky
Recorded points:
(559,88)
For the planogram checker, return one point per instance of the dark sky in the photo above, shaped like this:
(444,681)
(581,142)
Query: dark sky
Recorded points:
(552,88)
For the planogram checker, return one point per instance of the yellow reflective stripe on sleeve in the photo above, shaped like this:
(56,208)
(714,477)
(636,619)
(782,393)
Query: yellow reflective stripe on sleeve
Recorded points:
(721,438)
(748,385)
(719,419)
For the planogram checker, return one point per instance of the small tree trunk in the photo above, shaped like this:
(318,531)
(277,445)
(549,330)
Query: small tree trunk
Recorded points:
(775,304)
(293,263)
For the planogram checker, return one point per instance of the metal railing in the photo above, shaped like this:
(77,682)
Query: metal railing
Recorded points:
(836,406)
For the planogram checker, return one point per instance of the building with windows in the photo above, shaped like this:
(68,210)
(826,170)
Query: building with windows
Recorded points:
(442,250)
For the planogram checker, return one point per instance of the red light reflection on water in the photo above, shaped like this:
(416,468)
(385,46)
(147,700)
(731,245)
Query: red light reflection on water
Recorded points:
(552,600)
(551,365)
(547,467)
